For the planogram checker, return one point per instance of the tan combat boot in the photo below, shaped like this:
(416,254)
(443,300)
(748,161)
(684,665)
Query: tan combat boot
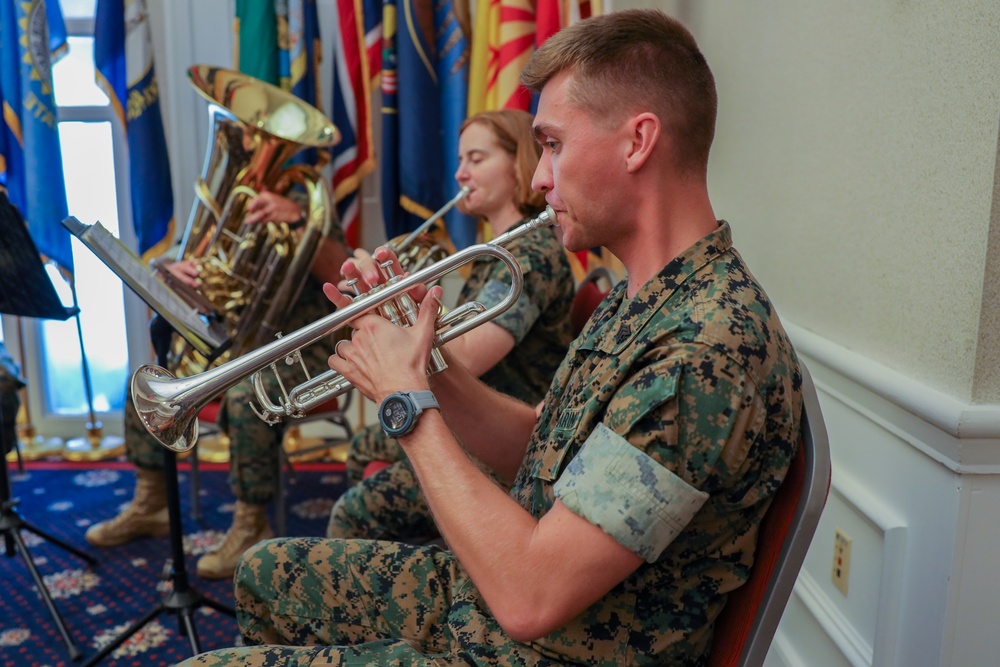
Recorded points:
(249,527)
(145,516)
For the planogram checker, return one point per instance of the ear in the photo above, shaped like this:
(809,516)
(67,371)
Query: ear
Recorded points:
(644,135)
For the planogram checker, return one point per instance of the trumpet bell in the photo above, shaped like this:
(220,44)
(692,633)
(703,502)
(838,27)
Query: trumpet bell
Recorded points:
(166,419)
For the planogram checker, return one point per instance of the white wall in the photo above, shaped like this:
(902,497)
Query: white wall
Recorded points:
(857,145)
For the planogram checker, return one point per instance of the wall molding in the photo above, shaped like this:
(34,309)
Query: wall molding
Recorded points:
(963,437)
(838,627)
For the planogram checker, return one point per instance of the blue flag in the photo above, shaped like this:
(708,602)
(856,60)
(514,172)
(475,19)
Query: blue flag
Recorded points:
(123,55)
(30,152)
(451,28)
(412,162)
(298,61)
(303,50)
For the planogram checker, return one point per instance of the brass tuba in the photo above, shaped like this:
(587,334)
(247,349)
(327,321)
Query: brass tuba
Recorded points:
(250,275)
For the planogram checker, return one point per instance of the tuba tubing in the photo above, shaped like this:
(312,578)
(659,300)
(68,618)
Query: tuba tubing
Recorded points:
(169,406)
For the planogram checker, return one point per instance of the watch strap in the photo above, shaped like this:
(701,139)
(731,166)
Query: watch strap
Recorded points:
(424,400)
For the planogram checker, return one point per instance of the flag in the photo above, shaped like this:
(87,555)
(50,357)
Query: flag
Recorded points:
(256,25)
(30,152)
(299,60)
(451,27)
(502,42)
(298,48)
(357,67)
(411,163)
(123,56)
(58,44)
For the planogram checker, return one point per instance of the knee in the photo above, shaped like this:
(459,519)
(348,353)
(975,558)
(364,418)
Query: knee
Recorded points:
(344,522)
(255,564)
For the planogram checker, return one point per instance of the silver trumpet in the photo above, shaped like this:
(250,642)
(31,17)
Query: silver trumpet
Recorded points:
(169,406)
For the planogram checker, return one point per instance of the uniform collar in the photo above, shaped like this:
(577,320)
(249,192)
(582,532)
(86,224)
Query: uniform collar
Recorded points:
(617,321)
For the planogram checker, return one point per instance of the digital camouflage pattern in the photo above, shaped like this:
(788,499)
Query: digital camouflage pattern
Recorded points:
(539,321)
(253,444)
(696,373)
(325,614)
(387,505)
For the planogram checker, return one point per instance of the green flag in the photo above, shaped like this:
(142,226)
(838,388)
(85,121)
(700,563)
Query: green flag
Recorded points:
(257,33)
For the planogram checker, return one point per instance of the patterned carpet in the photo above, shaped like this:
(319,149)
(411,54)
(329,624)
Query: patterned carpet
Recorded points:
(99,603)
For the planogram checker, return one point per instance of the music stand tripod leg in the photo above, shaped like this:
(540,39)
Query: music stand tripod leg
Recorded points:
(11,523)
(58,542)
(74,652)
(183,599)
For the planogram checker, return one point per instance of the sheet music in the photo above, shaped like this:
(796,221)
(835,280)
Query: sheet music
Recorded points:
(187,321)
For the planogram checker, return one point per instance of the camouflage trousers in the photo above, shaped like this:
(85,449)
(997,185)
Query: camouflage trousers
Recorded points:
(385,506)
(370,444)
(311,602)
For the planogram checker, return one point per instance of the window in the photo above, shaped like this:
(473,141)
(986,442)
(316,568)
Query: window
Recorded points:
(94,165)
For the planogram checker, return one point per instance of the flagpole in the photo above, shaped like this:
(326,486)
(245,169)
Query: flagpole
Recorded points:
(33,446)
(95,446)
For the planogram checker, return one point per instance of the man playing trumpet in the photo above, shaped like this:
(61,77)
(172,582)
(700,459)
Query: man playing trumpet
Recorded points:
(639,485)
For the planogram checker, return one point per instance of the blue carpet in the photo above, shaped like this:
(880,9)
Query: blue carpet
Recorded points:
(99,603)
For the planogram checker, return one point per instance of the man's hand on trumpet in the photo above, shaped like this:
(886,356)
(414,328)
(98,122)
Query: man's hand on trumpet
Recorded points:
(366,268)
(382,358)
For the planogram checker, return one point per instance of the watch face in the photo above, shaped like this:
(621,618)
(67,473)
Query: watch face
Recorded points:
(395,413)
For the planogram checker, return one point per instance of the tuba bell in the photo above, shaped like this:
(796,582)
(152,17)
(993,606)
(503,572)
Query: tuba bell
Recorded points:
(250,275)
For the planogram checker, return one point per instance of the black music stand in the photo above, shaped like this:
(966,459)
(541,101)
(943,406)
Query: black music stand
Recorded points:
(26,291)
(183,599)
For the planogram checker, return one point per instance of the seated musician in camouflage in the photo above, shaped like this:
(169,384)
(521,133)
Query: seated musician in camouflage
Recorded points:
(639,487)
(11,383)
(516,354)
(253,444)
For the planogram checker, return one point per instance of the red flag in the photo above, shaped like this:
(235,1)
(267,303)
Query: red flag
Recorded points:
(357,65)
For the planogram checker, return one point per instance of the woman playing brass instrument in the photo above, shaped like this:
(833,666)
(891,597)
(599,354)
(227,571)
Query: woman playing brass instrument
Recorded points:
(253,444)
(516,353)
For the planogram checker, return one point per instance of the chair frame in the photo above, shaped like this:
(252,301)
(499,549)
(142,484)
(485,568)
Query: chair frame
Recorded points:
(815,488)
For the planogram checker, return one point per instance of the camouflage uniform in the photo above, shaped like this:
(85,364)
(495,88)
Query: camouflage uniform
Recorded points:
(670,424)
(253,444)
(388,505)
(11,383)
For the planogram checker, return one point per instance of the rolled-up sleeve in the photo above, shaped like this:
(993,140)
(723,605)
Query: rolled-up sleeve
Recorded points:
(519,318)
(626,493)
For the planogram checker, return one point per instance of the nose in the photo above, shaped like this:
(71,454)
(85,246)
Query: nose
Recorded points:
(461,174)
(542,179)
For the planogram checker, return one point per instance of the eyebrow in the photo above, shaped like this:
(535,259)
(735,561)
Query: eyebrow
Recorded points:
(539,130)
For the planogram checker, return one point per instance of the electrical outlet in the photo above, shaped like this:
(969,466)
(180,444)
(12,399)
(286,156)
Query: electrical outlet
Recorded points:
(841,560)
